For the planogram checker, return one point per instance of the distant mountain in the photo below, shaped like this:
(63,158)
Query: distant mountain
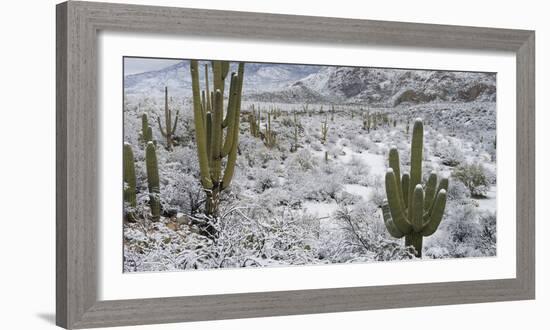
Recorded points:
(260,78)
(392,86)
(288,83)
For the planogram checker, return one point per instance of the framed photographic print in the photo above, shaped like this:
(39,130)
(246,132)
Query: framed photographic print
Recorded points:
(217,165)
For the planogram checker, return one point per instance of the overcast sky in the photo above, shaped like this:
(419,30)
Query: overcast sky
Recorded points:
(133,65)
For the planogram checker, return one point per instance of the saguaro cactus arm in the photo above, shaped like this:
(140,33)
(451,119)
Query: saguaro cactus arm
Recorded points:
(396,209)
(232,156)
(388,221)
(432,222)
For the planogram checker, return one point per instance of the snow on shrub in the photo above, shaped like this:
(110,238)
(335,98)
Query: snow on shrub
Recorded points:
(474,177)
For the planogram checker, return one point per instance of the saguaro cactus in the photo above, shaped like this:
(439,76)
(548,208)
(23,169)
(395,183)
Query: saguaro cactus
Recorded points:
(153,180)
(129,179)
(146,131)
(324,130)
(270,138)
(212,147)
(254,121)
(294,146)
(411,210)
(169,130)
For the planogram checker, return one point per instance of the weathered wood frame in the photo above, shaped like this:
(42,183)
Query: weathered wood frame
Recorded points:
(77,191)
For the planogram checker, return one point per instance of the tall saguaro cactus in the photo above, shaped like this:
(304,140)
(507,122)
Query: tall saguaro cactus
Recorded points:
(153,180)
(169,130)
(129,178)
(412,210)
(212,147)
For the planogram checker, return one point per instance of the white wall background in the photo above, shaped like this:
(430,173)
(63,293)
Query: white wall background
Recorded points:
(27,162)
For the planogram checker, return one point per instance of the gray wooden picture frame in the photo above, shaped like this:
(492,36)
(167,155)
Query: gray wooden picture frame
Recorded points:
(78,24)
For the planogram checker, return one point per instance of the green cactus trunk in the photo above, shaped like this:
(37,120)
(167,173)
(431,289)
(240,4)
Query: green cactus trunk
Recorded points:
(270,139)
(129,179)
(153,181)
(411,210)
(146,131)
(169,130)
(212,146)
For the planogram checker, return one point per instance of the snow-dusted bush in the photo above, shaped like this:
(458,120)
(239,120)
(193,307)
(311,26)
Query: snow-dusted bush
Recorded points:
(457,190)
(465,232)
(322,188)
(264,180)
(302,160)
(364,238)
(359,144)
(379,191)
(356,171)
(474,177)
(451,153)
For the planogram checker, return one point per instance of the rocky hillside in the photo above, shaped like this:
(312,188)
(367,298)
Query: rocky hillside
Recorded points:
(387,86)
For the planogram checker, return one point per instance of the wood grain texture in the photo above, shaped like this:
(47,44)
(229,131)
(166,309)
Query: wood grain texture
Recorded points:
(77,186)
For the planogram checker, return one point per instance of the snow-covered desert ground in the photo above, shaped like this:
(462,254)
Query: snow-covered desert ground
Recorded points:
(320,203)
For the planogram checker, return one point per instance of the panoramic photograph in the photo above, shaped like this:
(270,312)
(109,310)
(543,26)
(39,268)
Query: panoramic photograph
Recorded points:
(231,164)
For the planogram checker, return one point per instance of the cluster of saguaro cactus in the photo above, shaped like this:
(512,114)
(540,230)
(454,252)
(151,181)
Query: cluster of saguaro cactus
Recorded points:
(129,178)
(412,210)
(212,146)
(170,129)
(294,146)
(146,130)
(153,182)
(324,130)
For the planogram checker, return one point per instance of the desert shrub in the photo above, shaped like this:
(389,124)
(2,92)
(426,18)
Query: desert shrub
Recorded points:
(356,171)
(488,239)
(363,237)
(457,190)
(450,153)
(180,193)
(345,198)
(345,142)
(302,161)
(265,179)
(473,176)
(359,144)
(317,146)
(379,191)
(465,232)
(322,188)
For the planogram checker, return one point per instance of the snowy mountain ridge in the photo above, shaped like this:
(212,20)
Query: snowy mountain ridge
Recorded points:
(328,84)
